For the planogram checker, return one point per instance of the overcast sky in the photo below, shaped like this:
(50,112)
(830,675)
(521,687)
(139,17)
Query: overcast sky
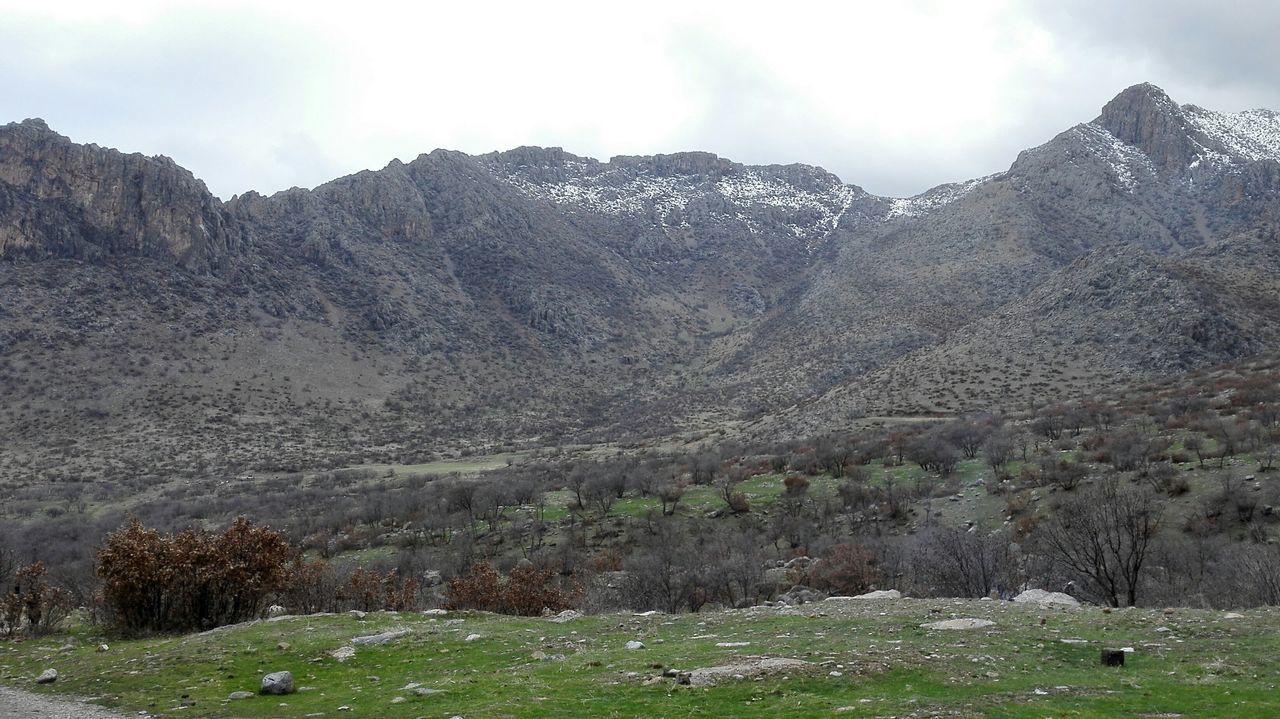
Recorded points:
(894,96)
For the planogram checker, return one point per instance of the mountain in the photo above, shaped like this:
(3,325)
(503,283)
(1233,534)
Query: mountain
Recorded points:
(532,296)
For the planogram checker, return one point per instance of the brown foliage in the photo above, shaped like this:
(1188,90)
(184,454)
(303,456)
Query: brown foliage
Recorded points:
(846,569)
(371,591)
(526,591)
(190,580)
(34,604)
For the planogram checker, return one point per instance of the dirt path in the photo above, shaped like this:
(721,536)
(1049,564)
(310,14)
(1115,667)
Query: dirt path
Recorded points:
(18,704)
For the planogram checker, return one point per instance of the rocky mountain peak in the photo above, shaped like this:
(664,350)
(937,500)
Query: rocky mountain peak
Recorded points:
(63,199)
(1145,117)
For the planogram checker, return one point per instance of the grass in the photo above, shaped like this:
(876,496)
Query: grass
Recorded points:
(1187,663)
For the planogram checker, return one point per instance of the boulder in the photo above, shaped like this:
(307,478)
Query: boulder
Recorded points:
(277,683)
(801,594)
(382,638)
(966,623)
(567,615)
(47,676)
(877,594)
(1040,596)
(634,644)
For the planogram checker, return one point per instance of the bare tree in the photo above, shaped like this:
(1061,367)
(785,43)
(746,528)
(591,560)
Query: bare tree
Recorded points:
(998,450)
(1105,535)
(952,562)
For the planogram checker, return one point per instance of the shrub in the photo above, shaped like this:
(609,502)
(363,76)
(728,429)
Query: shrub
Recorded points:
(527,591)
(794,485)
(35,605)
(369,590)
(846,569)
(190,580)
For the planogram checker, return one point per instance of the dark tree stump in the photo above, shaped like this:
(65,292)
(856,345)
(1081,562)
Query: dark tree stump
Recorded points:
(1112,658)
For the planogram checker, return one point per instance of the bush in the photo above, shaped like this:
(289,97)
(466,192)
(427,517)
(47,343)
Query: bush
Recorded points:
(35,605)
(369,590)
(527,591)
(794,485)
(846,569)
(191,580)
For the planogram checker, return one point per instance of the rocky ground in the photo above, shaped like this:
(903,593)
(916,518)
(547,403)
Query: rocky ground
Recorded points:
(19,704)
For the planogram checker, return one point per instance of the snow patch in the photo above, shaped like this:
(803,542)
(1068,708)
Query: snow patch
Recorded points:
(931,200)
(1126,162)
(807,213)
(1250,135)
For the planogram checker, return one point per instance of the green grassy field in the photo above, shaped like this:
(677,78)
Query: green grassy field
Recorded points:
(862,659)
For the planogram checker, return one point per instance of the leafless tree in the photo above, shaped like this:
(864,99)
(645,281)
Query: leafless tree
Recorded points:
(1105,535)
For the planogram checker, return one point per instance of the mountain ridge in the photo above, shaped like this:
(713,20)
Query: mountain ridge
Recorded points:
(533,295)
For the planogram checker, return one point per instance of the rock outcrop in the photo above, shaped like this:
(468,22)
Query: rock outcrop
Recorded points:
(62,199)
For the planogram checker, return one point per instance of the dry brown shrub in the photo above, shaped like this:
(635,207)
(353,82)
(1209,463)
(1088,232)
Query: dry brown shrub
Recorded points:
(526,591)
(190,580)
(34,605)
(845,569)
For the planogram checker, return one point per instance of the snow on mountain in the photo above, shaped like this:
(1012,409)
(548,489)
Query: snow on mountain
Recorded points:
(1125,161)
(933,199)
(1251,135)
(809,210)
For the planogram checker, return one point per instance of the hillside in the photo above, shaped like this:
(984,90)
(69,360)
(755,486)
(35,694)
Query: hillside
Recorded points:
(531,297)
(844,657)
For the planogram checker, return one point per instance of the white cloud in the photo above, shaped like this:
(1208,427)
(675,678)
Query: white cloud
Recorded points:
(894,96)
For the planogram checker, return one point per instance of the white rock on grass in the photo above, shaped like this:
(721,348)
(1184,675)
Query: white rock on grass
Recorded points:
(1040,596)
(471,638)
(878,594)
(342,654)
(382,638)
(633,644)
(277,683)
(48,676)
(965,623)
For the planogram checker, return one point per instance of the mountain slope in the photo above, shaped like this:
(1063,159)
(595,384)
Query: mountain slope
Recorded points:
(148,329)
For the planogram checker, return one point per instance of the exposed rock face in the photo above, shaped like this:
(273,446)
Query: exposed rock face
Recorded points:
(62,199)
(1143,116)
(619,297)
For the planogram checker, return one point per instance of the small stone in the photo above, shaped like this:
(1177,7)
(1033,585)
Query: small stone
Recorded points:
(236,696)
(342,654)
(427,691)
(471,638)
(397,700)
(633,644)
(277,683)
(382,638)
(358,615)
(967,623)
(344,708)
(283,646)
(48,676)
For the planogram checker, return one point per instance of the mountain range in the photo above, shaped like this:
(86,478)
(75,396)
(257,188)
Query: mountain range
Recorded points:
(535,297)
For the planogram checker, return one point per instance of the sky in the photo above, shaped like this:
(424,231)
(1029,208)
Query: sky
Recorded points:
(896,97)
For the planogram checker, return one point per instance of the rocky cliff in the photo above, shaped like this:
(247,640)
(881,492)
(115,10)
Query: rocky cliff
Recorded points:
(536,295)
